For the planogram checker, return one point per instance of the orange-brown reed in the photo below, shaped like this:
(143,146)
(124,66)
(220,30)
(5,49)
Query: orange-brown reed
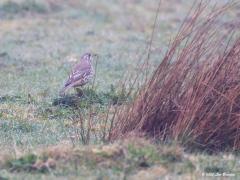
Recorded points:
(194,94)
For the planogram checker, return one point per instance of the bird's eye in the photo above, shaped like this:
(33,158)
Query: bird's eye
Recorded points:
(86,56)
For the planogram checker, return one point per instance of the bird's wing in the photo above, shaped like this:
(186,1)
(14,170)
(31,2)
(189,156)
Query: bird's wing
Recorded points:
(77,75)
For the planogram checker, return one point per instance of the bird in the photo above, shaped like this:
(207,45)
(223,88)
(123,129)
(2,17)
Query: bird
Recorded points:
(81,73)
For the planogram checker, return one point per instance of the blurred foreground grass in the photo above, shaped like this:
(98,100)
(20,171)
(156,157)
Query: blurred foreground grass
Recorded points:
(129,159)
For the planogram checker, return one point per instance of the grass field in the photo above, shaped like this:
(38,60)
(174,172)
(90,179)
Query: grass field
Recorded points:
(38,43)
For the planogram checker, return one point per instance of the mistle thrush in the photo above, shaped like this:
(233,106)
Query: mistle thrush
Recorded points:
(81,73)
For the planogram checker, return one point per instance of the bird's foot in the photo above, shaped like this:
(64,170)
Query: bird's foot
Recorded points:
(79,92)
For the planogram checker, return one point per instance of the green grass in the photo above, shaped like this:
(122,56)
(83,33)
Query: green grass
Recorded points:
(121,159)
(37,40)
(12,8)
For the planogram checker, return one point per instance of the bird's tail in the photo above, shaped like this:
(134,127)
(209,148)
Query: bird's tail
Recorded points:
(63,90)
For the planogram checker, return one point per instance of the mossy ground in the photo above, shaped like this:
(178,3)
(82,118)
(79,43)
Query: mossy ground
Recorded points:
(37,42)
(129,159)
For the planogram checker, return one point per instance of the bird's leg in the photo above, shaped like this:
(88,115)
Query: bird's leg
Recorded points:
(79,92)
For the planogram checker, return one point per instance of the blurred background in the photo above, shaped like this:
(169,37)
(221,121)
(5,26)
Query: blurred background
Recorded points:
(38,37)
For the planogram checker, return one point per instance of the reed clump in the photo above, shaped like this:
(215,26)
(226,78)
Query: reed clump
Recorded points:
(194,94)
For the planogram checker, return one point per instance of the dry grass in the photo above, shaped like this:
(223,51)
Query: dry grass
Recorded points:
(193,96)
(125,157)
(131,158)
